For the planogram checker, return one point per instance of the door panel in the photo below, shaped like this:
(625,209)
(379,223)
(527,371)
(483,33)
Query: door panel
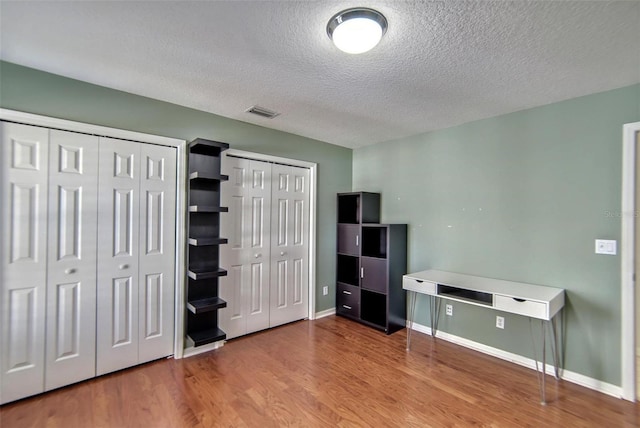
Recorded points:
(349,239)
(71,272)
(24,176)
(233,255)
(65,343)
(157,252)
(118,265)
(373,274)
(122,312)
(246,256)
(289,244)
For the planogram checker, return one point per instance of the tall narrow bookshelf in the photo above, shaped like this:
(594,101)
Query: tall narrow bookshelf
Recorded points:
(203,269)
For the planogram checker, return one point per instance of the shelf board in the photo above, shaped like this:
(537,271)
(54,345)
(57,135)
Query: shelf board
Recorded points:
(375,325)
(204,273)
(207,147)
(206,305)
(368,290)
(207,176)
(375,256)
(202,241)
(202,337)
(347,283)
(207,209)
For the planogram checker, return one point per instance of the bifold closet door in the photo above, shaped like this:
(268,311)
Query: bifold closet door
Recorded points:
(88,245)
(136,254)
(118,231)
(289,292)
(24,176)
(157,258)
(267,257)
(71,270)
(49,258)
(246,257)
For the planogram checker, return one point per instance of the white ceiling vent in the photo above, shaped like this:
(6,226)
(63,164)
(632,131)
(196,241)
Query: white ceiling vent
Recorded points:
(261,111)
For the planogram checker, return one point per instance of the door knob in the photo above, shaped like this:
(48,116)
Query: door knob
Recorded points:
(282,253)
(70,271)
(122,267)
(258,255)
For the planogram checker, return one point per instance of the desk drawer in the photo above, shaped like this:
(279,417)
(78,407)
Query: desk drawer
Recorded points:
(527,308)
(348,300)
(419,285)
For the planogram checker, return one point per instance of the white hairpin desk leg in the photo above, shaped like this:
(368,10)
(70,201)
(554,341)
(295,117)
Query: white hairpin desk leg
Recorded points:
(412,310)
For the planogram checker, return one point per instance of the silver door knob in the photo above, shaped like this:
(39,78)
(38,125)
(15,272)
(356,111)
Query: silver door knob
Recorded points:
(258,255)
(282,253)
(70,271)
(122,267)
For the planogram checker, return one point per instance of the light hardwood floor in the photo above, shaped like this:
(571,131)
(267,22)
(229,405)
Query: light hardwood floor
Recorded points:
(325,373)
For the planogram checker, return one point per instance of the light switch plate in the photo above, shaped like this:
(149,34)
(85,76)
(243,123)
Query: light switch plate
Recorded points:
(606,246)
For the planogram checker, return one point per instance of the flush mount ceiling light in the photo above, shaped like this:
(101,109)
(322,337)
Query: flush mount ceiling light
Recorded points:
(356,30)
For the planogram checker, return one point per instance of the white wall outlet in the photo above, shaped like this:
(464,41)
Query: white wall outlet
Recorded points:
(500,322)
(449,309)
(606,246)
(325,290)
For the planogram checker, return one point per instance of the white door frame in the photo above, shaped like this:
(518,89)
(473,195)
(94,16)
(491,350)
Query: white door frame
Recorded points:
(181,184)
(313,180)
(629,211)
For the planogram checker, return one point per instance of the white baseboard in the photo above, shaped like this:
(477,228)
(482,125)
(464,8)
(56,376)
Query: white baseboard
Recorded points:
(577,378)
(325,313)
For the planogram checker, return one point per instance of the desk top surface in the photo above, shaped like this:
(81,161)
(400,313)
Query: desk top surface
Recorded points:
(489,285)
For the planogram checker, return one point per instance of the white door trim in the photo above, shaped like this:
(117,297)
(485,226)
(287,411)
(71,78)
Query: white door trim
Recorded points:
(629,210)
(313,170)
(181,185)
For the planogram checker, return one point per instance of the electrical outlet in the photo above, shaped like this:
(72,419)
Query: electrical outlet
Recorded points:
(325,290)
(606,246)
(500,322)
(449,309)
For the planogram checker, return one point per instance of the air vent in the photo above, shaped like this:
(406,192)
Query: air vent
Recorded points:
(261,111)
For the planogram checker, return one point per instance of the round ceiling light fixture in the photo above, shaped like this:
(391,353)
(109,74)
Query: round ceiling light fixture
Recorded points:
(357,30)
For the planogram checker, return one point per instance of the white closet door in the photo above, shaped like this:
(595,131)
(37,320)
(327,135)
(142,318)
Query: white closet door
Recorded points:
(71,272)
(289,245)
(118,232)
(246,257)
(157,252)
(23,176)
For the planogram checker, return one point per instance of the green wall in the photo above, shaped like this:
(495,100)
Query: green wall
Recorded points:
(520,197)
(37,92)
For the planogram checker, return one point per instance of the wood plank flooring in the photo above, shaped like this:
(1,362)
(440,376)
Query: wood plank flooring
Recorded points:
(325,373)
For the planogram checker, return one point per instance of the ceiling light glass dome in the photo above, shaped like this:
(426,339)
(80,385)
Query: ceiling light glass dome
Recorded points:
(357,30)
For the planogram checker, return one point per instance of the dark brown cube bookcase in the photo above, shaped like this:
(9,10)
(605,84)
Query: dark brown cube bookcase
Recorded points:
(371,259)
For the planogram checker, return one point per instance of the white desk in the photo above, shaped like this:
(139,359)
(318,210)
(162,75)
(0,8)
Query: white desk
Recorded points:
(533,301)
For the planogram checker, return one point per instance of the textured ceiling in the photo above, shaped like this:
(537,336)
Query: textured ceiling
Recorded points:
(440,64)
